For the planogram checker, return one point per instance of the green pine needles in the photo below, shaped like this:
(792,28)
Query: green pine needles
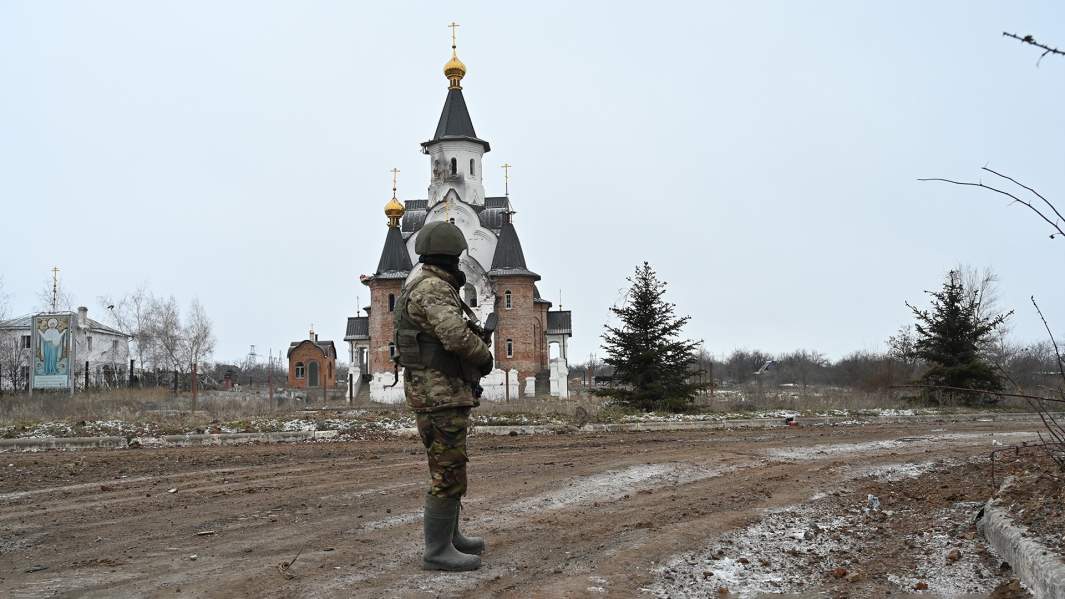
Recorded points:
(653,367)
(951,335)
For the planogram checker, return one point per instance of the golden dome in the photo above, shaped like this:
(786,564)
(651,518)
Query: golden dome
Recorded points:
(454,70)
(394,208)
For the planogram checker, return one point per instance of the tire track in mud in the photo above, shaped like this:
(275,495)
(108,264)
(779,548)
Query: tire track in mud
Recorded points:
(535,500)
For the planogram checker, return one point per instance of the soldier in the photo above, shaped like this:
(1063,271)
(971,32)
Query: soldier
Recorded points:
(438,349)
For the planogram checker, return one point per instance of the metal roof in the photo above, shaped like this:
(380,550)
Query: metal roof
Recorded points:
(559,322)
(326,347)
(509,259)
(25,322)
(358,328)
(455,122)
(395,261)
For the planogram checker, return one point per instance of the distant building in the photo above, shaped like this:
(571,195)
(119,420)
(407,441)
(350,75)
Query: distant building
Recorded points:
(530,340)
(312,363)
(103,350)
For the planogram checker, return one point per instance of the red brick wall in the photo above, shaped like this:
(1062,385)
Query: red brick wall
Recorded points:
(523,324)
(305,353)
(381,323)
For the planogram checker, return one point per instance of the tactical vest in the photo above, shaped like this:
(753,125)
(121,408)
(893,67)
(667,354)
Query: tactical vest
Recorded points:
(416,349)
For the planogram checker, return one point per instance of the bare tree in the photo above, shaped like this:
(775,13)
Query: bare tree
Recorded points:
(63,300)
(165,326)
(5,297)
(197,336)
(133,315)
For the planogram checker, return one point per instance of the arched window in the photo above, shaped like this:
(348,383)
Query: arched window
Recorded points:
(454,167)
(510,348)
(391,302)
(471,167)
(469,293)
(391,350)
(299,370)
(508,300)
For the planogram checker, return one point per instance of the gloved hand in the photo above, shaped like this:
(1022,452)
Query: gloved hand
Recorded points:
(486,368)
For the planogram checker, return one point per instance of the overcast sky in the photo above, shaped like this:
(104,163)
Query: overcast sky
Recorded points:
(762,156)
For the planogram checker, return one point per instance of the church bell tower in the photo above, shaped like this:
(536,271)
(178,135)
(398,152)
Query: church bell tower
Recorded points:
(455,152)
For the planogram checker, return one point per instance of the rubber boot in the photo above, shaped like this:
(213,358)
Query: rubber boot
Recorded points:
(439,526)
(471,545)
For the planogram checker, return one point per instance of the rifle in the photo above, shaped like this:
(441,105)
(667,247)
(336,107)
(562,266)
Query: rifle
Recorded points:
(472,374)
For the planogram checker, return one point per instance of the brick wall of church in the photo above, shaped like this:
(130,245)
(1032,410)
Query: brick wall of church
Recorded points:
(381,325)
(523,324)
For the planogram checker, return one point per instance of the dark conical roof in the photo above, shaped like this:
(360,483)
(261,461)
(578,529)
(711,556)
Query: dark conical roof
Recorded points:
(455,122)
(509,259)
(395,261)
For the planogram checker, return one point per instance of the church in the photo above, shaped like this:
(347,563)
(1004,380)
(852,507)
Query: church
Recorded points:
(530,339)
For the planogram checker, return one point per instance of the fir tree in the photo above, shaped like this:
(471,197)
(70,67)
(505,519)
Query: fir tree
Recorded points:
(950,337)
(652,365)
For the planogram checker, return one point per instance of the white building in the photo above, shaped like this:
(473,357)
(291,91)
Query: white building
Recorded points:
(102,349)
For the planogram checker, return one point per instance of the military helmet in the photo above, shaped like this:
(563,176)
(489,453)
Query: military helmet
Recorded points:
(440,237)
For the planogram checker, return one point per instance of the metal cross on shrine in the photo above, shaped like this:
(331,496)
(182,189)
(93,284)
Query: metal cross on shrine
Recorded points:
(55,287)
(506,178)
(453,25)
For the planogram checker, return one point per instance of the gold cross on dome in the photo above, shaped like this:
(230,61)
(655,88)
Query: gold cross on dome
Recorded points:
(453,26)
(506,177)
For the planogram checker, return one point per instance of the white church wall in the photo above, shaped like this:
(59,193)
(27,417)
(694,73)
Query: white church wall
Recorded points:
(559,378)
(495,387)
(469,187)
(481,241)
(381,390)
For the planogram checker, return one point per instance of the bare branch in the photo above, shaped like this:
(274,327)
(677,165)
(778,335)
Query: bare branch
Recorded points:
(1030,190)
(1028,39)
(1057,352)
(1053,224)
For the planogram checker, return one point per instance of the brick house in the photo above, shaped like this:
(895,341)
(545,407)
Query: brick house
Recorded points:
(530,341)
(312,363)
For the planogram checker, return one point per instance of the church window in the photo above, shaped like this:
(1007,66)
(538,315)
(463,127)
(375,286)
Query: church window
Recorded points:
(471,167)
(508,300)
(114,345)
(25,341)
(470,295)
(391,350)
(299,370)
(510,348)
(391,302)
(451,220)
(454,166)
(89,341)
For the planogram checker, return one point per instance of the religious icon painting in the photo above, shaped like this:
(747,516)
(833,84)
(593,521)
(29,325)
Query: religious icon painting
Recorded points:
(52,351)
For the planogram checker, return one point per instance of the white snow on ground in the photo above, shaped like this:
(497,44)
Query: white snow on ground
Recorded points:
(814,452)
(771,556)
(615,484)
(791,547)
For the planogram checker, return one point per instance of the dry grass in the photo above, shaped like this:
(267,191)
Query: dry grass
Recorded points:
(154,405)
(170,411)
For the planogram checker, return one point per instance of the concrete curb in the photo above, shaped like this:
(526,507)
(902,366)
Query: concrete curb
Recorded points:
(1041,570)
(219,439)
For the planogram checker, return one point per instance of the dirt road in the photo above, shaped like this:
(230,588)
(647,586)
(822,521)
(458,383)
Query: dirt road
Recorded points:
(567,515)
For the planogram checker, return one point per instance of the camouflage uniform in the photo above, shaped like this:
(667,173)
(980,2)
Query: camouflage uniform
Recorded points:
(442,402)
